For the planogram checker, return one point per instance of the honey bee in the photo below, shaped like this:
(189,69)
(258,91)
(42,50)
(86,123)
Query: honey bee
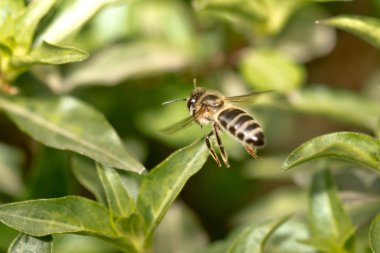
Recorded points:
(212,107)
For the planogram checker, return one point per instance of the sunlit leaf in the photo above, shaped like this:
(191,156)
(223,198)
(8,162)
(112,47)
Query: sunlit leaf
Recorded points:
(367,28)
(67,123)
(239,12)
(61,215)
(118,199)
(86,174)
(27,243)
(267,69)
(47,53)
(10,165)
(354,147)
(330,225)
(10,7)
(26,24)
(374,235)
(162,184)
(338,105)
(70,19)
(260,17)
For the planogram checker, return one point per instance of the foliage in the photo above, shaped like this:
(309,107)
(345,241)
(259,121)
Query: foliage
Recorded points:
(62,123)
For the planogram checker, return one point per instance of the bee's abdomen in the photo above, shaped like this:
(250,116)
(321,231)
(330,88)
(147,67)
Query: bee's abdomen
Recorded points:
(242,125)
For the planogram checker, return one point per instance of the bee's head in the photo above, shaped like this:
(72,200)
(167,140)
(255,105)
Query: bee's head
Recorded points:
(194,97)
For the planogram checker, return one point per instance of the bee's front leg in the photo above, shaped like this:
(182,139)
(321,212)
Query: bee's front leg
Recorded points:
(211,149)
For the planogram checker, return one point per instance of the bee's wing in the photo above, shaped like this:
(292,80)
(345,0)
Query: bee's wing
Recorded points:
(247,98)
(179,125)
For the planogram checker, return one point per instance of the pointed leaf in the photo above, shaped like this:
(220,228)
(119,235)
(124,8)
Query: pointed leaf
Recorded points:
(367,28)
(85,172)
(26,24)
(331,227)
(118,199)
(252,239)
(67,123)
(72,17)
(374,235)
(47,53)
(27,243)
(354,147)
(162,184)
(61,215)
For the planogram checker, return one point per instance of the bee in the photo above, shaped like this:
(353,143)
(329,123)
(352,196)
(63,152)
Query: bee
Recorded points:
(212,107)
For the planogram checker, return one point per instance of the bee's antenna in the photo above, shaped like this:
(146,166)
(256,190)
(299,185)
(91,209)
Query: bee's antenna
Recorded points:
(195,83)
(174,100)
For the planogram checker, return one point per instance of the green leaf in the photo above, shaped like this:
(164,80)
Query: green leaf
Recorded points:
(162,184)
(261,17)
(61,215)
(331,227)
(252,239)
(11,160)
(85,172)
(354,147)
(26,24)
(338,105)
(70,19)
(67,123)
(10,7)
(367,28)
(267,69)
(132,229)
(118,199)
(239,12)
(374,235)
(27,243)
(47,53)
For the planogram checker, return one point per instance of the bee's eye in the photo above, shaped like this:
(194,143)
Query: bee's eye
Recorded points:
(191,102)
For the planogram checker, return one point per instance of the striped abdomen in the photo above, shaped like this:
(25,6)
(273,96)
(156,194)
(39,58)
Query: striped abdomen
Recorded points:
(242,125)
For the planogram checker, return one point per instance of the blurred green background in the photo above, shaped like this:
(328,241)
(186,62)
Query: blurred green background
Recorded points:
(143,53)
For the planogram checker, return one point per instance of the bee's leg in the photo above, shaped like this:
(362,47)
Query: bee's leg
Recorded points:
(223,152)
(252,151)
(211,149)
